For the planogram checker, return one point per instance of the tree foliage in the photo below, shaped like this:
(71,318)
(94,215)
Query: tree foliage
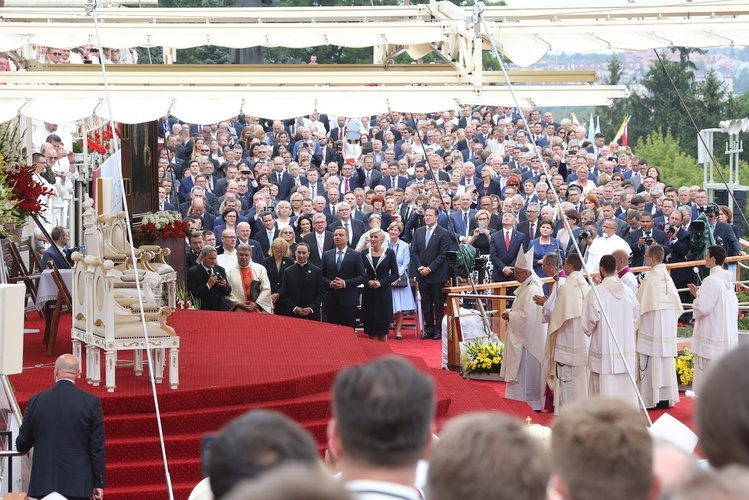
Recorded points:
(663,150)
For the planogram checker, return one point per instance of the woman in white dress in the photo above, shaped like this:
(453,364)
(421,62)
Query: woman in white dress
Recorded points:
(403,298)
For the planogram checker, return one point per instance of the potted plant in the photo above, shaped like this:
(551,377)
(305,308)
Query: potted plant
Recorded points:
(482,358)
(685,369)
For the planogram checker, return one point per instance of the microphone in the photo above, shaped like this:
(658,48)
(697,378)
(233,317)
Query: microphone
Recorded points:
(697,273)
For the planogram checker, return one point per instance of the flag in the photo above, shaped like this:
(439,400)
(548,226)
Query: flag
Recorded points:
(624,137)
(622,128)
(598,124)
(575,121)
(591,129)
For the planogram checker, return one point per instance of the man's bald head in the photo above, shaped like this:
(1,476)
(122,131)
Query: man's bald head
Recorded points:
(622,259)
(67,367)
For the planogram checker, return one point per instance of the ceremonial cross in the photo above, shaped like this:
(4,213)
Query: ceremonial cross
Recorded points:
(665,281)
(529,420)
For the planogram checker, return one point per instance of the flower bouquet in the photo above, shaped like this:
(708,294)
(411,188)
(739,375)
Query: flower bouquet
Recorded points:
(20,193)
(186,300)
(685,368)
(98,142)
(482,357)
(161,225)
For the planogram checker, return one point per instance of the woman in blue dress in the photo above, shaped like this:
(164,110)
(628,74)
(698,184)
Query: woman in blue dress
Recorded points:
(403,298)
(543,245)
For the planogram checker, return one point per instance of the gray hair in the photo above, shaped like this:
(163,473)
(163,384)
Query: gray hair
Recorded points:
(206,250)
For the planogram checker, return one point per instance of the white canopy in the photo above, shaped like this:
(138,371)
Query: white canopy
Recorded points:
(58,104)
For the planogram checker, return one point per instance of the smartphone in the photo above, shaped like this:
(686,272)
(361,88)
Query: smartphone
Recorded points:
(481,225)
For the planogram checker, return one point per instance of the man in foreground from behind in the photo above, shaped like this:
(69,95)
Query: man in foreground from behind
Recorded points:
(383,417)
(65,426)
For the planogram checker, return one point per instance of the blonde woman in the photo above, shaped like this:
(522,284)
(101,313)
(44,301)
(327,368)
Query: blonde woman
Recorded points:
(275,265)
(403,298)
(381,271)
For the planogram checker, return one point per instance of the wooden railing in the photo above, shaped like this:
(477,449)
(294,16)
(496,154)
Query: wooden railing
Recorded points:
(496,301)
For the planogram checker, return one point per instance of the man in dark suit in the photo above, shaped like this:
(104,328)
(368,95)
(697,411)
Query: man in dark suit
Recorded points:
(60,239)
(65,426)
(267,233)
(207,281)
(354,228)
(640,239)
(302,287)
(529,227)
(372,177)
(428,248)
(342,273)
(723,232)
(390,178)
(504,247)
(320,240)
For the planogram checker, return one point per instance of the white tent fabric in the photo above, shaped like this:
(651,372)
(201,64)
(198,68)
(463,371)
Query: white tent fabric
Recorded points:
(62,104)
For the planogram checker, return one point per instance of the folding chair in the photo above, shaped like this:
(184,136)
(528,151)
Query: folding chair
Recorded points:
(63,304)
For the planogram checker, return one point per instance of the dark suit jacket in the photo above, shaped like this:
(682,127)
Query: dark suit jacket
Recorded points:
(65,426)
(357,228)
(352,272)
(432,255)
(386,181)
(274,275)
(261,236)
(50,254)
(725,232)
(681,252)
(638,252)
(314,253)
(302,287)
(211,299)
(524,228)
(502,257)
(374,178)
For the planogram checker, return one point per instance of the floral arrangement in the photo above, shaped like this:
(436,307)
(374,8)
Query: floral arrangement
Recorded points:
(186,300)
(98,142)
(162,225)
(685,367)
(20,193)
(483,357)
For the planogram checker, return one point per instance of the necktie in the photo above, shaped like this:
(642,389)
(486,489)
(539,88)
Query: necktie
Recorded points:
(533,230)
(340,134)
(332,210)
(368,176)
(313,191)
(345,185)
(428,236)
(348,232)
(465,223)
(393,182)
(339,260)
(507,240)
(320,243)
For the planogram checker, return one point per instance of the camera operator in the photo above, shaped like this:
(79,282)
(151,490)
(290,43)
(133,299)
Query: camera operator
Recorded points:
(585,239)
(722,232)
(640,239)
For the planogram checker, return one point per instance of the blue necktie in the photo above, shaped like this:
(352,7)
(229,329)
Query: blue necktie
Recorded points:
(428,236)
(339,260)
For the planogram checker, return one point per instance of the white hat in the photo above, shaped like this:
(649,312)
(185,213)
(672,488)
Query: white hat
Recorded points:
(525,260)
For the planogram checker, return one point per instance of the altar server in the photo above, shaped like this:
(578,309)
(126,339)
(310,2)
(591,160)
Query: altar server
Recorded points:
(608,369)
(660,308)
(568,346)
(715,311)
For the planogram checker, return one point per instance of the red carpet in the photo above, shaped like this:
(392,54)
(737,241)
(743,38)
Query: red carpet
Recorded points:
(230,363)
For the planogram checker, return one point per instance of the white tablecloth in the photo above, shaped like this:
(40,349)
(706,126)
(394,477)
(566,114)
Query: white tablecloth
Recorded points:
(47,290)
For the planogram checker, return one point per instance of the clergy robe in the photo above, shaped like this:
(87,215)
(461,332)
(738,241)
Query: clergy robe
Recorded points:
(715,330)
(660,308)
(608,371)
(601,246)
(234,277)
(629,279)
(568,346)
(524,346)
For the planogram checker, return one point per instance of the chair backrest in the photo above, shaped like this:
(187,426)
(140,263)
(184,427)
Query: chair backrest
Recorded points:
(18,268)
(35,265)
(62,289)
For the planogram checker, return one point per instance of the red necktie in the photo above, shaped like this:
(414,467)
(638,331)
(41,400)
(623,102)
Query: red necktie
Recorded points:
(507,240)
(345,185)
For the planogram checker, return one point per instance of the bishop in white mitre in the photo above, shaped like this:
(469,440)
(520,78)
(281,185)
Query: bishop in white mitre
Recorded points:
(608,367)
(660,308)
(568,346)
(526,338)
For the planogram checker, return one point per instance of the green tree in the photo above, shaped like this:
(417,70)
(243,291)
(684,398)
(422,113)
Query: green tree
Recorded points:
(664,151)
(613,115)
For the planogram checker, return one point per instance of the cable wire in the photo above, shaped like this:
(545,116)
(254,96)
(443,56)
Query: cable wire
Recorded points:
(91,7)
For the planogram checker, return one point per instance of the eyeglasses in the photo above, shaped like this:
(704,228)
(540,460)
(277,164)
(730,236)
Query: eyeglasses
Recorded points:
(56,53)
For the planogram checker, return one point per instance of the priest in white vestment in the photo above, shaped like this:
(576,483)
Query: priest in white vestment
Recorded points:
(608,369)
(623,271)
(660,308)
(240,277)
(715,311)
(568,345)
(526,338)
